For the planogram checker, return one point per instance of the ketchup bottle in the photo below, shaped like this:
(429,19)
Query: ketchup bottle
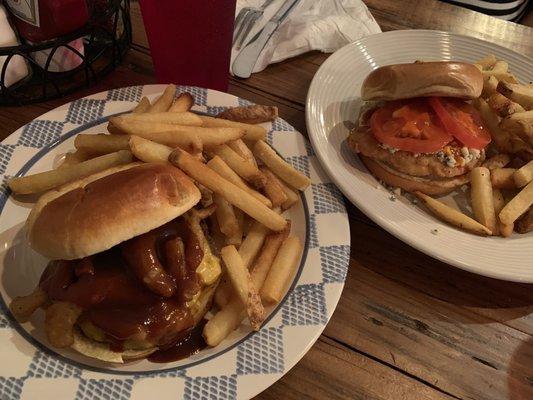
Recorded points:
(41,20)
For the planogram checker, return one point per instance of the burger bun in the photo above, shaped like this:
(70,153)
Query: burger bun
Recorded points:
(98,212)
(423,79)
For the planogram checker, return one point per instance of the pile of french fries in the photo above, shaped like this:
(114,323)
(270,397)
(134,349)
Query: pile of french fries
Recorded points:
(238,174)
(501,196)
(506,106)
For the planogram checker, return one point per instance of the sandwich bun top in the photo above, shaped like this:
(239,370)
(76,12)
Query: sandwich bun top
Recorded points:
(102,210)
(423,79)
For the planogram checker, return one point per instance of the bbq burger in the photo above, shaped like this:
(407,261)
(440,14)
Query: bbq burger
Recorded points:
(132,271)
(417,130)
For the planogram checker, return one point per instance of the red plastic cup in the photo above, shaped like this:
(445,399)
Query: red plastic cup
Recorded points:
(190,40)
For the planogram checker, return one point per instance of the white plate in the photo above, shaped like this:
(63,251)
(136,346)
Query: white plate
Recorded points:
(332,106)
(246,362)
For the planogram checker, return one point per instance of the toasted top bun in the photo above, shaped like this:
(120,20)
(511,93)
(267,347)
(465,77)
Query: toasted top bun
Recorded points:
(404,81)
(100,211)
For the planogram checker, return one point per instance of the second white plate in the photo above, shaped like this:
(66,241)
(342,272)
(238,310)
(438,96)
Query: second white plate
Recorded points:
(332,106)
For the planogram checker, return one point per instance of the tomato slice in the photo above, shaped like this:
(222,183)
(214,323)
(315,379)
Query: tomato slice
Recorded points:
(462,121)
(409,125)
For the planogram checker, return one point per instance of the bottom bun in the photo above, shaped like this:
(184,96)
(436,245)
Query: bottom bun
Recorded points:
(412,183)
(101,351)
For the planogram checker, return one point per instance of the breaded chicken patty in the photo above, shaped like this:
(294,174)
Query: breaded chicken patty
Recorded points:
(452,161)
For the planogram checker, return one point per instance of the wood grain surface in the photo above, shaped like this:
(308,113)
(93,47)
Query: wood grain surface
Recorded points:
(407,326)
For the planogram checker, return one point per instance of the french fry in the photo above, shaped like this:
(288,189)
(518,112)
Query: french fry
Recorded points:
(60,318)
(500,137)
(522,128)
(453,216)
(503,106)
(263,263)
(230,316)
(225,321)
(518,205)
(292,196)
(281,270)
(224,292)
(193,137)
(487,62)
(499,203)
(172,135)
(500,66)
(183,103)
(253,114)
(236,238)
(113,130)
(506,230)
(143,106)
(273,189)
(101,143)
(498,200)
(232,193)
(248,250)
(173,118)
(227,221)
(211,137)
(243,286)
(524,224)
(244,168)
(241,149)
(502,178)
(490,83)
(252,132)
(523,175)
(526,116)
(482,200)
(280,167)
(148,151)
(252,243)
(47,180)
(23,307)
(74,158)
(237,274)
(500,70)
(521,94)
(497,161)
(500,76)
(164,101)
(218,165)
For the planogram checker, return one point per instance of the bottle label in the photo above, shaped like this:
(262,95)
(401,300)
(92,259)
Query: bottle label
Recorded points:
(26,10)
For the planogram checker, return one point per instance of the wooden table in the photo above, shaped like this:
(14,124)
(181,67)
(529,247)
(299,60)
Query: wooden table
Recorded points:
(407,326)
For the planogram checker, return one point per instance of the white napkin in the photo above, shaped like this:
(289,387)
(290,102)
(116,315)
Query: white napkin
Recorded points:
(17,68)
(324,25)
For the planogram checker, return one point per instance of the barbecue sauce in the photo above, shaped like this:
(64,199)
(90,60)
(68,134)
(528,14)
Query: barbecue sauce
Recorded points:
(117,299)
(190,343)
